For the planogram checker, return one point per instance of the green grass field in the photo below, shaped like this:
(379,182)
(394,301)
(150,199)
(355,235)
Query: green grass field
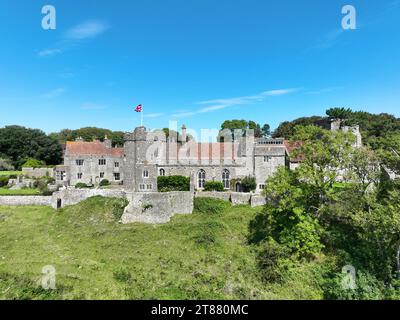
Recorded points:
(20,192)
(198,256)
(8,173)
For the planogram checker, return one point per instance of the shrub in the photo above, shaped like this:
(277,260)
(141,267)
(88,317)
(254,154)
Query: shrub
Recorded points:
(249,184)
(214,186)
(33,163)
(104,182)
(271,253)
(122,275)
(6,164)
(81,185)
(46,192)
(4,181)
(173,183)
(210,205)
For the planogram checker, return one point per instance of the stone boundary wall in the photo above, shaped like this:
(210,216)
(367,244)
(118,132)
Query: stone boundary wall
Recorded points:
(157,207)
(145,207)
(72,196)
(25,200)
(236,198)
(256,201)
(38,172)
(217,195)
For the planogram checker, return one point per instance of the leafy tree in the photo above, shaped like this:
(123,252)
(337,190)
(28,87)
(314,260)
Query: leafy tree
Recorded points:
(288,217)
(90,134)
(19,143)
(326,157)
(248,184)
(287,129)
(266,130)
(33,163)
(232,125)
(339,113)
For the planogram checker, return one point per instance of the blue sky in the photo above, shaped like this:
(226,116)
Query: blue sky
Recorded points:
(195,62)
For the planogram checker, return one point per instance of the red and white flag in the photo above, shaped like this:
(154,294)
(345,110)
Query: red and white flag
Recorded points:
(139,108)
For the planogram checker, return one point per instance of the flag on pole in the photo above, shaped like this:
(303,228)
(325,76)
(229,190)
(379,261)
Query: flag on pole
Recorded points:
(139,108)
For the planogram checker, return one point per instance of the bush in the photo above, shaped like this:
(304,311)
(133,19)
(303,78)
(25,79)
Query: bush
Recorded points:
(81,185)
(173,183)
(6,164)
(214,186)
(248,184)
(3,181)
(104,182)
(210,205)
(271,253)
(33,163)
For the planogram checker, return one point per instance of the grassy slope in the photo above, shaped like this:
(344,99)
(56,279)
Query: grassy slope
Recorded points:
(192,257)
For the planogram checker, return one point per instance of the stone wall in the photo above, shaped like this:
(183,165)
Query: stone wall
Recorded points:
(157,207)
(217,195)
(38,172)
(25,200)
(240,198)
(72,196)
(236,198)
(256,201)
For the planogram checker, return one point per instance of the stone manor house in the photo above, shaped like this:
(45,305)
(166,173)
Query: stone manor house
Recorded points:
(149,154)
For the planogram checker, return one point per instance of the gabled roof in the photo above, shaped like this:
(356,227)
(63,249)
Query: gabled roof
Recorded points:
(76,148)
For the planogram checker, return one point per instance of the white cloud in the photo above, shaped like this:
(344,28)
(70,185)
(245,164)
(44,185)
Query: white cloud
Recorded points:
(86,30)
(48,52)
(73,36)
(219,104)
(53,93)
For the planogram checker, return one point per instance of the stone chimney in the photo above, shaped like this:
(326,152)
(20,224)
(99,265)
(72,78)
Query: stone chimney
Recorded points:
(79,139)
(183,136)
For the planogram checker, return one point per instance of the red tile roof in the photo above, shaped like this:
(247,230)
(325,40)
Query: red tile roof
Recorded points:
(77,148)
(292,146)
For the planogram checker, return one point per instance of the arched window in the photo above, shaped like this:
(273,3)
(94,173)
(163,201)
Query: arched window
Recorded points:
(162,172)
(226,178)
(201,179)
(145,173)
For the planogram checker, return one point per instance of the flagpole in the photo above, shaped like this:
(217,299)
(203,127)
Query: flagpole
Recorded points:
(141,118)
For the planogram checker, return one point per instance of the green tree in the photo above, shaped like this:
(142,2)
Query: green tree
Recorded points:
(33,163)
(19,143)
(248,184)
(339,113)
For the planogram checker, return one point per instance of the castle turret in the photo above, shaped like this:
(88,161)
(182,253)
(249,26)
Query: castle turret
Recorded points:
(140,174)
